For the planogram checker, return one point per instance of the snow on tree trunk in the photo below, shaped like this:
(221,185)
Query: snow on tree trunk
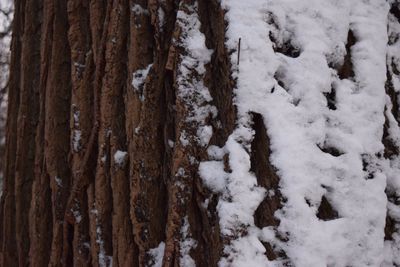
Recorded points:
(203,133)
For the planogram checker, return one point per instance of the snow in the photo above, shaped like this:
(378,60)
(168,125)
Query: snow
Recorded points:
(157,255)
(120,157)
(76,140)
(288,91)
(213,175)
(186,245)
(104,260)
(192,92)
(392,166)
(246,251)
(240,194)
(139,10)
(77,133)
(139,79)
(137,130)
(171,143)
(58,181)
(183,138)
(161,18)
(77,215)
(204,134)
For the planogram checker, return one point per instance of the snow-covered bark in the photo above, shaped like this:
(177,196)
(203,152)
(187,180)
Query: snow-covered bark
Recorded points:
(316,72)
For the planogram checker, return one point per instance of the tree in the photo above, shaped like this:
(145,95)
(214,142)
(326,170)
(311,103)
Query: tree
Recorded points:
(202,133)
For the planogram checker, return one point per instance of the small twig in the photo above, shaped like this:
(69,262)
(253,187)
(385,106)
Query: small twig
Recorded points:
(238,58)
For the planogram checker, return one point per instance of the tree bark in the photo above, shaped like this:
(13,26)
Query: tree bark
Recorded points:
(102,145)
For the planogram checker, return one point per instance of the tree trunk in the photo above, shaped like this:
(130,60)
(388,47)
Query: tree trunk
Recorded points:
(178,133)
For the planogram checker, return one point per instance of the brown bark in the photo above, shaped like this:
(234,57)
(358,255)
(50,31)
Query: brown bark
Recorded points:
(40,216)
(57,132)
(9,251)
(145,129)
(85,207)
(27,121)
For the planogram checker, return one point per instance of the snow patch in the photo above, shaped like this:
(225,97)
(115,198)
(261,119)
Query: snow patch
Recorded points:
(192,93)
(77,133)
(120,157)
(186,245)
(139,79)
(58,181)
(139,10)
(157,255)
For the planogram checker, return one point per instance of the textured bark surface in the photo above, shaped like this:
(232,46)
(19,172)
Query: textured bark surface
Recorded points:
(95,172)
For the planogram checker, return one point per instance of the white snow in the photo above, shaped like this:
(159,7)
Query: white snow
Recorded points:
(204,133)
(77,215)
(58,181)
(137,130)
(213,175)
(171,143)
(120,157)
(161,18)
(157,255)
(192,93)
(186,245)
(240,194)
(104,260)
(139,10)
(77,133)
(298,120)
(139,79)
(392,167)
(76,140)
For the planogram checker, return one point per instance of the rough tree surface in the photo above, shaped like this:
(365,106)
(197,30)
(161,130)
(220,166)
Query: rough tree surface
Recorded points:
(203,133)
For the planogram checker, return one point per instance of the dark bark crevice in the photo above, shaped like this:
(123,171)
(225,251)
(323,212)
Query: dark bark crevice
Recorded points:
(267,178)
(346,70)
(326,212)
(331,99)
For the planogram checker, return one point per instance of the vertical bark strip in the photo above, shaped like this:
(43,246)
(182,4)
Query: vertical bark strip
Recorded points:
(81,114)
(100,15)
(8,238)
(40,216)
(27,121)
(57,132)
(146,111)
